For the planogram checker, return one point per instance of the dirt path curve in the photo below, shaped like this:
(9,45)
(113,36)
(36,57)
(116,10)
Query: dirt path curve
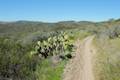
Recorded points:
(80,67)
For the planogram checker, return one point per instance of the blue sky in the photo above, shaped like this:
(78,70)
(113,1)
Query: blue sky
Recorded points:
(59,10)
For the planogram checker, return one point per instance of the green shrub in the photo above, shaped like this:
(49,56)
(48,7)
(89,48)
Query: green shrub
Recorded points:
(53,46)
(15,62)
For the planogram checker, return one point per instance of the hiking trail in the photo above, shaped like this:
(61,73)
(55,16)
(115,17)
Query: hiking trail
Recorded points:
(81,66)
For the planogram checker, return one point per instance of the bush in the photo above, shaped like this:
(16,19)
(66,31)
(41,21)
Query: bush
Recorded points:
(53,46)
(114,32)
(15,62)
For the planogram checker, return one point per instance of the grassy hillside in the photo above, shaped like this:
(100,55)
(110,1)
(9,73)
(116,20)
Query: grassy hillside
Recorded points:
(18,39)
(107,57)
(107,65)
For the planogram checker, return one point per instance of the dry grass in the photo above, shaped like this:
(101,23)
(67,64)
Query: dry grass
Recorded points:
(107,66)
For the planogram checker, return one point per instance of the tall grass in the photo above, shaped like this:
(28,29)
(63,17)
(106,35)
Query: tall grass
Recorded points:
(107,66)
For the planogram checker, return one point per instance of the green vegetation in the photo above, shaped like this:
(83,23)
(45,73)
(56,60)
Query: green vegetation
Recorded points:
(15,62)
(107,57)
(53,46)
(50,71)
(19,39)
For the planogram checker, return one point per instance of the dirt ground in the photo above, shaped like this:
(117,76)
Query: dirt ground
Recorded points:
(81,66)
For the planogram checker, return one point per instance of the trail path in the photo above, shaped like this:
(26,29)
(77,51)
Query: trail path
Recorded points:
(81,66)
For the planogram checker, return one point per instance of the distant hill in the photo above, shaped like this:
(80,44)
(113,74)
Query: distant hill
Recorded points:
(25,28)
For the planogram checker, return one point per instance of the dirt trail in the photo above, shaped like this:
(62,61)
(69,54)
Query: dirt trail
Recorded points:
(80,67)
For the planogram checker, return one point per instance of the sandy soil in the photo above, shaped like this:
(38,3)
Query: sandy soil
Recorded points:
(81,66)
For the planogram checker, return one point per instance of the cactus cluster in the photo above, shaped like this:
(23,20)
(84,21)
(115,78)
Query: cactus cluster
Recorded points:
(53,45)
